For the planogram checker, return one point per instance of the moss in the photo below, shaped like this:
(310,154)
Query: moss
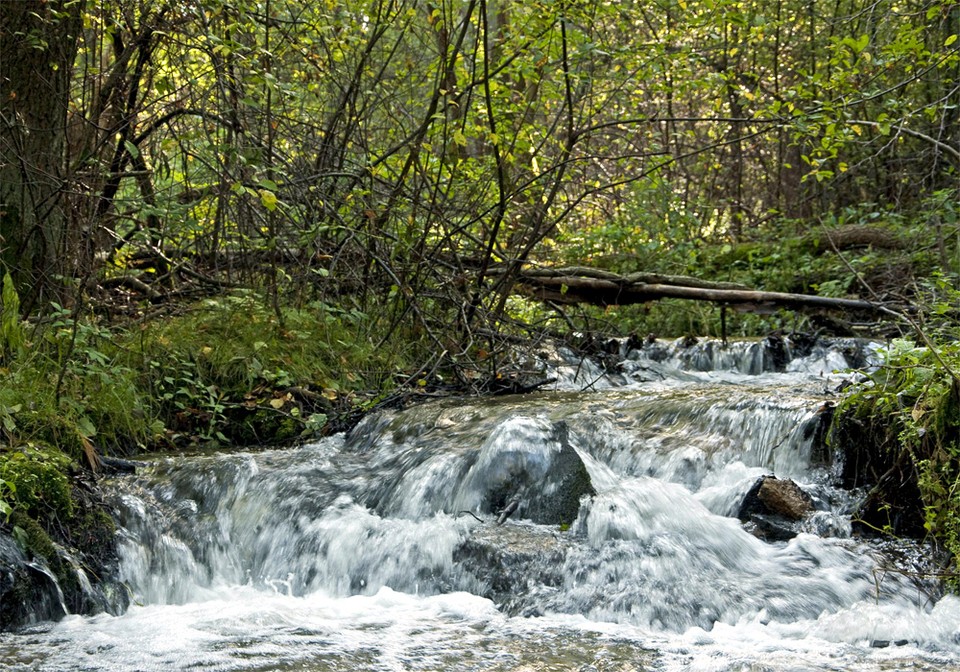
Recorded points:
(39,544)
(41,488)
(36,540)
(93,533)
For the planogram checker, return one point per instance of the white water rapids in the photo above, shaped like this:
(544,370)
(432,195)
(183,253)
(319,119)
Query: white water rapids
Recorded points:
(353,553)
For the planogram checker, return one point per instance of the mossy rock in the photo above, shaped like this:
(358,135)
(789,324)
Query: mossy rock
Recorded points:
(27,593)
(40,485)
(35,539)
(55,553)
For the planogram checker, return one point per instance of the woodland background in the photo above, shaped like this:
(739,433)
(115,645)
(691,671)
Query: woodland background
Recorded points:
(248,222)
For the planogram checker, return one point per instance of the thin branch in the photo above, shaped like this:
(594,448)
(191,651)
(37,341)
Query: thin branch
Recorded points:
(173,114)
(953,151)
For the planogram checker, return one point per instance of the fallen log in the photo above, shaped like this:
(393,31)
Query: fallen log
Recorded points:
(608,289)
(632,278)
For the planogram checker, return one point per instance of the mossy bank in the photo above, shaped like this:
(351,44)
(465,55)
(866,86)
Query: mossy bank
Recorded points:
(77,394)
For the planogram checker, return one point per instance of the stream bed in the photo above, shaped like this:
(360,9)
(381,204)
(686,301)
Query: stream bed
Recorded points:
(391,547)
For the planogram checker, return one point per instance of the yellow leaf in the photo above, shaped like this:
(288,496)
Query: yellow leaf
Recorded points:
(278,403)
(329,394)
(268,199)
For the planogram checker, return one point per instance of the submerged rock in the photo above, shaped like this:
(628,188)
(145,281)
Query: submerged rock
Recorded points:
(504,564)
(557,499)
(537,474)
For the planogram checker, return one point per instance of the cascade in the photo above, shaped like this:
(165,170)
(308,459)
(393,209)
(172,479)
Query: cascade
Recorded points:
(387,548)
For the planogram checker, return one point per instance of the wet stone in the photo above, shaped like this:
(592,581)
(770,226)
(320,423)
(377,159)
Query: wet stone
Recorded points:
(28,591)
(772,508)
(503,562)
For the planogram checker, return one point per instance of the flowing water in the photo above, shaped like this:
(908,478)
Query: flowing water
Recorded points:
(380,550)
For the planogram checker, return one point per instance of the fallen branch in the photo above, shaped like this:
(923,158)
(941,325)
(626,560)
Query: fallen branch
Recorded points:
(578,285)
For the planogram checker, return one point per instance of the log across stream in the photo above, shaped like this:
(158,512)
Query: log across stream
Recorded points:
(577,284)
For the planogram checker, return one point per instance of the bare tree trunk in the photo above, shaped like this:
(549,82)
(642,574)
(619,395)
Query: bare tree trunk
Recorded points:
(38,44)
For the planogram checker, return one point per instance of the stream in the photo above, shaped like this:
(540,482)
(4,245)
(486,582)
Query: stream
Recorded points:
(381,549)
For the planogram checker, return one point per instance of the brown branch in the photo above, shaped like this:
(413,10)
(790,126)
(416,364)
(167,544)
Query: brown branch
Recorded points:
(607,289)
(181,112)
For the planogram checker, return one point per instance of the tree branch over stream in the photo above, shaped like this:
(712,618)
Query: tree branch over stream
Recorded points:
(576,284)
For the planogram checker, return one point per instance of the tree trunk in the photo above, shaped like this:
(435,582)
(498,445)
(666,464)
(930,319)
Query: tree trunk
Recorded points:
(38,44)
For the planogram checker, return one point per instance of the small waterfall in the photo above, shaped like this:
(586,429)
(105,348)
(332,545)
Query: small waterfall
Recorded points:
(649,479)
(386,546)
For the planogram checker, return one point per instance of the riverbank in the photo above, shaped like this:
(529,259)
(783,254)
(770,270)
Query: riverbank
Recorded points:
(275,558)
(80,395)
(55,519)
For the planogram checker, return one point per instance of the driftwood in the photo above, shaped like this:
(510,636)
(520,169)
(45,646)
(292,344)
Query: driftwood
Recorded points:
(584,285)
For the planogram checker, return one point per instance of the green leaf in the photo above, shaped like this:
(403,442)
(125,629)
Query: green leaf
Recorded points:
(132,149)
(268,199)
(86,427)
(20,536)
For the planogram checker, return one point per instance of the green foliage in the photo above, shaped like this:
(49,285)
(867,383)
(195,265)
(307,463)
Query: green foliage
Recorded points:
(232,360)
(99,394)
(368,147)
(915,398)
(68,387)
(8,491)
(36,482)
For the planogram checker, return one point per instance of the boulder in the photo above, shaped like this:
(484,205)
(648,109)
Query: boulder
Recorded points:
(772,508)
(557,501)
(541,479)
